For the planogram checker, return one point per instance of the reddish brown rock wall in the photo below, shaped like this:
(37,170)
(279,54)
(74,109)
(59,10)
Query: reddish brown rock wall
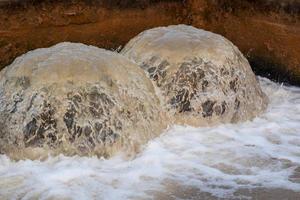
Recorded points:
(267,31)
(29,25)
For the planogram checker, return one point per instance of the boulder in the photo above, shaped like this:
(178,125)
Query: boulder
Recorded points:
(75,100)
(202,78)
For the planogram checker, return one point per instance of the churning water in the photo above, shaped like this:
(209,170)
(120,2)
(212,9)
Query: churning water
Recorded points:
(182,163)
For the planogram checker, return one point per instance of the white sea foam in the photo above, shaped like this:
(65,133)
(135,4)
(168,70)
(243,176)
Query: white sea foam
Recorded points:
(219,160)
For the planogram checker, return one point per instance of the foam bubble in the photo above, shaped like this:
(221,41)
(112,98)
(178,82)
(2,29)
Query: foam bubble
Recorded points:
(219,161)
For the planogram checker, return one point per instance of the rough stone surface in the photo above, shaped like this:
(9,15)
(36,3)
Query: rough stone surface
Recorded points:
(75,99)
(202,77)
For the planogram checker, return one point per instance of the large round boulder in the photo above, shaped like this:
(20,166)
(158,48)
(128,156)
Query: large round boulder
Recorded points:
(202,77)
(75,99)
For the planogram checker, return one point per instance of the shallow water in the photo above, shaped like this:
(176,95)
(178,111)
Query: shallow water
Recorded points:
(216,162)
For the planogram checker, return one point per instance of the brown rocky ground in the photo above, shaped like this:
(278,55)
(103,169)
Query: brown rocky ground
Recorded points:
(267,31)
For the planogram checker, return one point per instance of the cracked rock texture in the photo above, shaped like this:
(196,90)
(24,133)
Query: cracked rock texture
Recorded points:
(75,99)
(202,77)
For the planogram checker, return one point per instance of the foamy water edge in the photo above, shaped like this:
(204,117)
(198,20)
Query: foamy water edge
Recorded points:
(219,160)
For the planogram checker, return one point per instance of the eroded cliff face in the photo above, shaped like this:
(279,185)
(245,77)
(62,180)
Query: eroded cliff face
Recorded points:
(27,25)
(266,31)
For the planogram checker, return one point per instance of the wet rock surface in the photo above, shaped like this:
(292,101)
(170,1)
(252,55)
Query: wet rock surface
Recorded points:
(202,77)
(94,102)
